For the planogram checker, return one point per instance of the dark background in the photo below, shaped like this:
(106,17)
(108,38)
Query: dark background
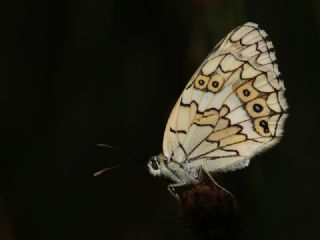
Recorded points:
(77,73)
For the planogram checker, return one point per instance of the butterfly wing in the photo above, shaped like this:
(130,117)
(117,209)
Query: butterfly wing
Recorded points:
(233,106)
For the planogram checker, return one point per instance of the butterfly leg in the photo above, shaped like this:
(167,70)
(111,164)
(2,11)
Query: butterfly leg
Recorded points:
(217,184)
(171,189)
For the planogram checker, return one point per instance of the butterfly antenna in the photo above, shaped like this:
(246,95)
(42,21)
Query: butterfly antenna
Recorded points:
(107,146)
(103,145)
(106,169)
(125,163)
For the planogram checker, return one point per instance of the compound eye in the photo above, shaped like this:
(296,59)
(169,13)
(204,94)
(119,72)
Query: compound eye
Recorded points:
(154,164)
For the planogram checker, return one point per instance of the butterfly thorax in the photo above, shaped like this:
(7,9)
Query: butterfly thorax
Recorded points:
(175,171)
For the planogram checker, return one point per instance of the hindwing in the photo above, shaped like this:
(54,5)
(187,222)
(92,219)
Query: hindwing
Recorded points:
(233,106)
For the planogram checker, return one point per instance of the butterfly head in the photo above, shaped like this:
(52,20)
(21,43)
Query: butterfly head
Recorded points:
(154,165)
(160,165)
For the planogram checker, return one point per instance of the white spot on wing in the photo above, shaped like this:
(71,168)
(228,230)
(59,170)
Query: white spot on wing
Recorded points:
(240,33)
(273,102)
(249,72)
(220,97)
(247,148)
(207,97)
(248,129)
(250,51)
(232,102)
(195,135)
(230,63)
(237,115)
(203,148)
(261,83)
(264,58)
(221,153)
(222,163)
(251,38)
(211,65)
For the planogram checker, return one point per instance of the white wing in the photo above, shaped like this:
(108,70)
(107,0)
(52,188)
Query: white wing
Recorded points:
(232,108)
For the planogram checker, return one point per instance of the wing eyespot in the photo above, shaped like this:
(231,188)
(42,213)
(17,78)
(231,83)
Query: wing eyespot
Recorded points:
(261,125)
(216,83)
(247,92)
(257,108)
(201,82)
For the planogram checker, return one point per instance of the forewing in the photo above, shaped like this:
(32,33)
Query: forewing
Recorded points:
(233,106)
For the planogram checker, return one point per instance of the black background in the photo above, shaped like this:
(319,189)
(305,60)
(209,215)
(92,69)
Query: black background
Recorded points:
(77,73)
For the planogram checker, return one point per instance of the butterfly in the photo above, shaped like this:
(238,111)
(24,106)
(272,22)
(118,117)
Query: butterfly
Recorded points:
(232,108)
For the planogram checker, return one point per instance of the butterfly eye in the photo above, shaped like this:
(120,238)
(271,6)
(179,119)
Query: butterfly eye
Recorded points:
(201,82)
(154,164)
(216,83)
